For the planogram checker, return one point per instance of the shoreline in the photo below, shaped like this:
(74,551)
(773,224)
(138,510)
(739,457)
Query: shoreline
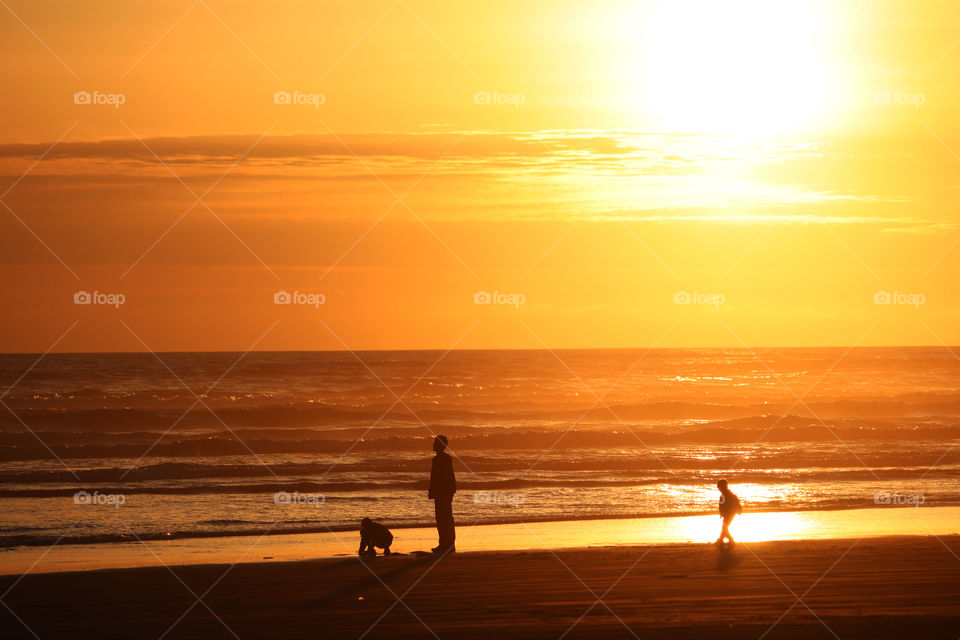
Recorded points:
(779,589)
(314,529)
(524,536)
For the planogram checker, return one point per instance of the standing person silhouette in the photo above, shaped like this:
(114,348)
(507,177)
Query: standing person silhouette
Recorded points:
(443,484)
(729,507)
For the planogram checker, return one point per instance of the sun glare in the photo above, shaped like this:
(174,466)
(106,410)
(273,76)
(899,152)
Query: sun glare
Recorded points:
(749,67)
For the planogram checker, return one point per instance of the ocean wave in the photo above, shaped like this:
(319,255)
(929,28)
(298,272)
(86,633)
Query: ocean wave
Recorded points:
(636,479)
(20,446)
(159,418)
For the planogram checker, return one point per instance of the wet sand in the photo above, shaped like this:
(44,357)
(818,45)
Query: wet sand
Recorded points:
(566,534)
(876,587)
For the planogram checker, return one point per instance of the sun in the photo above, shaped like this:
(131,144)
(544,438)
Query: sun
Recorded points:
(742,67)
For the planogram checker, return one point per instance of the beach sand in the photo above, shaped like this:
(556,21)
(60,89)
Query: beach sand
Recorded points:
(877,587)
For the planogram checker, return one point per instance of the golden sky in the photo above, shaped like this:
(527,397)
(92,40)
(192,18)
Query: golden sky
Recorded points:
(620,174)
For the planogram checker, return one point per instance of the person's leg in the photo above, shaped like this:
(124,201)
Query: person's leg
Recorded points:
(443,509)
(438,515)
(451,525)
(726,529)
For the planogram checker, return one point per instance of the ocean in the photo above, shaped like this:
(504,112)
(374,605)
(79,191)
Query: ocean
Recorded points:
(120,447)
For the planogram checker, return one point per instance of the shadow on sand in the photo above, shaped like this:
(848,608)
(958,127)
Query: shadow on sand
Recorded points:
(728,558)
(370,581)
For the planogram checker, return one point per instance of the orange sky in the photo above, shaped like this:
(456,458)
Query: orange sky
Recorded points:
(781,163)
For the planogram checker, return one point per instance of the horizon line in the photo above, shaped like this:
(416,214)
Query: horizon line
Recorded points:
(440,349)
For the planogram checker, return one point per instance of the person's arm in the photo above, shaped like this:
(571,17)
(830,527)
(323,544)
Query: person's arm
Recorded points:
(364,543)
(451,479)
(433,478)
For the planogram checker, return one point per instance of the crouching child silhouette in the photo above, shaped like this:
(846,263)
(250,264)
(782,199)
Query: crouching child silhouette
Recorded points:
(729,507)
(373,535)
